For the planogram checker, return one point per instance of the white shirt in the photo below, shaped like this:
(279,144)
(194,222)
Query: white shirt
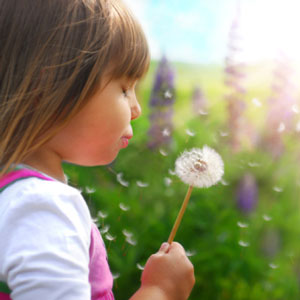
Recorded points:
(45,229)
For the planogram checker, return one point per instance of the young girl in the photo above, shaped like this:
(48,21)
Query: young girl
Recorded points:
(68,70)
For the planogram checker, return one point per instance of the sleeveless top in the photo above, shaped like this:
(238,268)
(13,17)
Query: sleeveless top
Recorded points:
(100,277)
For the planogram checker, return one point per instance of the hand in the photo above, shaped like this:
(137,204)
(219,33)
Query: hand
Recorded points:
(171,271)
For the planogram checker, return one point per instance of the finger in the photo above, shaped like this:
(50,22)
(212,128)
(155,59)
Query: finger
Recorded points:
(164,248)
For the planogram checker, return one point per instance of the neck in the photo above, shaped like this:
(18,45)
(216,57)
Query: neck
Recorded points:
(46,162)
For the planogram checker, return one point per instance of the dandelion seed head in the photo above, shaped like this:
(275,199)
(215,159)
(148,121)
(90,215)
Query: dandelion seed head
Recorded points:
(200,167)
(124,207)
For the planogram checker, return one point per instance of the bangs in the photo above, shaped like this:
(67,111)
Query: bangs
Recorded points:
(129,48)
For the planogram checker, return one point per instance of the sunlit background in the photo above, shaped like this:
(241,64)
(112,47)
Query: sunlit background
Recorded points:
(223,73)
(197,31)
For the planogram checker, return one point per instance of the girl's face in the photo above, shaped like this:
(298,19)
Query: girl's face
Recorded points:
(98,132)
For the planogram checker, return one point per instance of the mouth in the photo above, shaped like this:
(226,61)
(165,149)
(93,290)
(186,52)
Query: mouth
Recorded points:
(125,140)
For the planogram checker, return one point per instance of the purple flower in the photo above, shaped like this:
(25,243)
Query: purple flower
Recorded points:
(161,104)
(247,194)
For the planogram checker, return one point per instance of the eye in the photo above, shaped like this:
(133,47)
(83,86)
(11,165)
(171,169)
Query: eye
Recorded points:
(125,92)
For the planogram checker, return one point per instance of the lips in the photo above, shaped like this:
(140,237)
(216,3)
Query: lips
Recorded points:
(125,141)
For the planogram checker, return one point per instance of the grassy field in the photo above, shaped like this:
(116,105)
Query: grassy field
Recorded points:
(237,256)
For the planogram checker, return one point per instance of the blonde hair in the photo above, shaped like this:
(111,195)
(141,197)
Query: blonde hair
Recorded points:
(52,56)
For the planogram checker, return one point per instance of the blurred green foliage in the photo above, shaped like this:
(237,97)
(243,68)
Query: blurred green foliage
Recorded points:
(260,261)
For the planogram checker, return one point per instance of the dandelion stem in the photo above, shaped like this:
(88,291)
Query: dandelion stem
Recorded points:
(180,214)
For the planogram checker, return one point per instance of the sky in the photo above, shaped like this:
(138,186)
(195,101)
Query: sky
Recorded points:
(197,31)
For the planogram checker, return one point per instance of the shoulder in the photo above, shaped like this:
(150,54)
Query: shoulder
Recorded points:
(45,224)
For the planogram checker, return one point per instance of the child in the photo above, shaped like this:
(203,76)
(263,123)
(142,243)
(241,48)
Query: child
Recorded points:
(68,70)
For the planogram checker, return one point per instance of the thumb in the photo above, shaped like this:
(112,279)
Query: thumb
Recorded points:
(164,247)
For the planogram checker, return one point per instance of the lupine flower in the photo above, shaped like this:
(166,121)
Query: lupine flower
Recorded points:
(199,104)
(234,80)
(281,106)
(161,103)
(247,193)
(200,167)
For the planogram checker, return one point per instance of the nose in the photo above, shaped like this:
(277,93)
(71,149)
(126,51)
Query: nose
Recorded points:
(136,109)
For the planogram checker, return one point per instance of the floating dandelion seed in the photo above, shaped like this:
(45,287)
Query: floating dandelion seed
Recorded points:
(172,172)
(166,132)
(104,229)
(90,190)
(281,127)
(256,102)
(253,164)
(130,240)
(273,266)
(267,218)
(190,132)
(124,207)
(295,109)
(199,168)
(224,182)
(102,214)
(168,94)
(167,181)
(115,275)
(163,152)
(298,126)
(121,180)
(242,225)
(142,184)
(190,253)
(277,189)
(244,244)
(127,233)
(109,237)
(223,133)
(140,267)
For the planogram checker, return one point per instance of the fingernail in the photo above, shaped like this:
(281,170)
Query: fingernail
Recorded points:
(164,246)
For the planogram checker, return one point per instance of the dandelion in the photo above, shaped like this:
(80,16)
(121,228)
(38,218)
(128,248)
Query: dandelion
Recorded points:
(199,168)
(163,152)
(281,127)
(190,253)
(127,233)
(167,181)
(273,266)
(102,214)
(115,275)
(256,102)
